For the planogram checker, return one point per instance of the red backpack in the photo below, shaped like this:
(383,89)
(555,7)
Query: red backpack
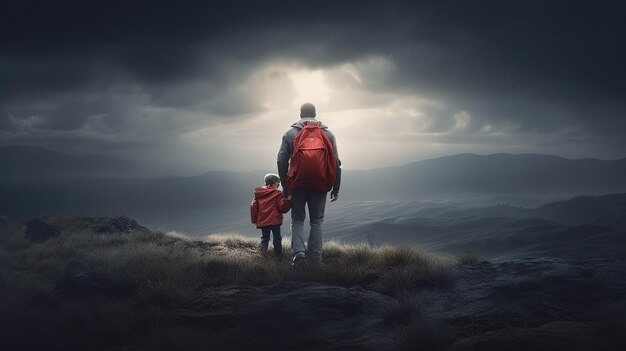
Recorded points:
(313,164)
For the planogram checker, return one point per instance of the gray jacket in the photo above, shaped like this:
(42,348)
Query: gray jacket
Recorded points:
(286,148)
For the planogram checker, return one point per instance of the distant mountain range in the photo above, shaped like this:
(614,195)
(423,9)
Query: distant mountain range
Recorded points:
(496,174)
(36,180)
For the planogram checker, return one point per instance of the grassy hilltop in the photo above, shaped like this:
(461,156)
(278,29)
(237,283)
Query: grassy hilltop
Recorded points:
(144,278)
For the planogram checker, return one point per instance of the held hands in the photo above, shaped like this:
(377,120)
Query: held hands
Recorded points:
(333,197)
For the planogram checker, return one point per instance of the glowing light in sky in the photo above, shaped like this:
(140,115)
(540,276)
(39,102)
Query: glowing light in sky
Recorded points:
(310,86)
(394,127)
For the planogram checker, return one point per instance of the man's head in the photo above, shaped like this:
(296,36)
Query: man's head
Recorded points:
(307,110)
(272,179)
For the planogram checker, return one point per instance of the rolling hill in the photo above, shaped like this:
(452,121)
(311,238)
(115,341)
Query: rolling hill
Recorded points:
(36,181)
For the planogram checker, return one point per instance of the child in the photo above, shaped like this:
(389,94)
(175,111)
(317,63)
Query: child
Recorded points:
(266,211)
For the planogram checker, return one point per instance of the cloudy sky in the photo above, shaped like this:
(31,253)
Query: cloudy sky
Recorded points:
(213,86)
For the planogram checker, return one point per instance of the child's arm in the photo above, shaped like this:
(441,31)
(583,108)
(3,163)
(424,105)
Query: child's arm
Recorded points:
(284,205)
(254,210)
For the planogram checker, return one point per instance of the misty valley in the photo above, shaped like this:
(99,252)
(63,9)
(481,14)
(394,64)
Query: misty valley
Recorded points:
(570,228)
(498,205)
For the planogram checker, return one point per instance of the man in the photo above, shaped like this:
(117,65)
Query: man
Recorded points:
(315,200)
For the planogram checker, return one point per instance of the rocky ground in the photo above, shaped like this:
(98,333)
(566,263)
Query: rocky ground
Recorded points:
(530,303)
(293,315)
(534,303)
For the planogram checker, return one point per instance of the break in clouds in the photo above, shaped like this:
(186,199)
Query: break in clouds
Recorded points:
(194,87)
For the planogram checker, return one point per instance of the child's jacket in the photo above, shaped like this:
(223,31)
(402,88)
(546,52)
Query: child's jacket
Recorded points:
(268,206)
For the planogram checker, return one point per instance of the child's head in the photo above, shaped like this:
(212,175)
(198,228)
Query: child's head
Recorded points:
(272,179)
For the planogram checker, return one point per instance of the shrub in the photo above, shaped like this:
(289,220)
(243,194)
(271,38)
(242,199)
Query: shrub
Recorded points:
(397,257)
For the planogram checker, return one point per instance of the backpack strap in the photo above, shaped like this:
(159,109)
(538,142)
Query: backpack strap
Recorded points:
(316,123)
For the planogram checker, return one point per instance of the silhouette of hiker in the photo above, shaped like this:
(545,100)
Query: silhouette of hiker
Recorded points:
(309,194)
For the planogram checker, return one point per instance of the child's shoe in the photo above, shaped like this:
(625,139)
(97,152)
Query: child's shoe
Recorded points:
(278,251)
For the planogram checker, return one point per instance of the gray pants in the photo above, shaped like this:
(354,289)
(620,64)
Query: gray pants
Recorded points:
(317,204)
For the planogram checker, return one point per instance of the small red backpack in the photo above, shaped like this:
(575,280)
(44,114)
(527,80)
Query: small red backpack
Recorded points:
(313,164)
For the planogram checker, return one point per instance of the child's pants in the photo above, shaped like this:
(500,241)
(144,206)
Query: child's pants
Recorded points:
(265,238)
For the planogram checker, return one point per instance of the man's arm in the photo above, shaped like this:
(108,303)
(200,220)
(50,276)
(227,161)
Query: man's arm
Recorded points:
(335,191)
(337,179)
(284,154)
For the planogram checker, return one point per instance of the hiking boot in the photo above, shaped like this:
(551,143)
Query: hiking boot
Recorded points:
(298,260)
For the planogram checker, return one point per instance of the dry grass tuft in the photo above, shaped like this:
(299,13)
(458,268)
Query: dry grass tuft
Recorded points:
(398,257)
(470,258)
(232,241)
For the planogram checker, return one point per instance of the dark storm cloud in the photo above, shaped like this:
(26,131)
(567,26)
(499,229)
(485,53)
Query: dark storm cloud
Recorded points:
(521,67)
